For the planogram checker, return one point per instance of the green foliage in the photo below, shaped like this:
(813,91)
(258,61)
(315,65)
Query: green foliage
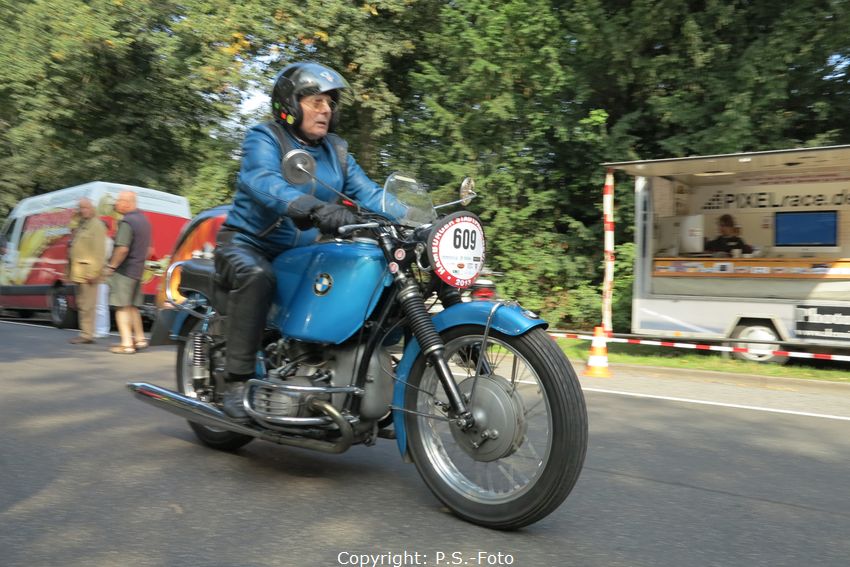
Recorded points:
(214,181)
(686,77)
(621,309)
(107,90)
(583,307)
(529,97)
(497,101)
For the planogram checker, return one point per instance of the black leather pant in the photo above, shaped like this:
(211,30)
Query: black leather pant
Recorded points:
(248,276)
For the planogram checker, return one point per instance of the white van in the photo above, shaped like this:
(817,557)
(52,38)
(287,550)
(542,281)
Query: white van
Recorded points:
(34,245)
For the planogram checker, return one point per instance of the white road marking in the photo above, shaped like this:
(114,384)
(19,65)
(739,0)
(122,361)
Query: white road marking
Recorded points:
(720,404)
(21,323)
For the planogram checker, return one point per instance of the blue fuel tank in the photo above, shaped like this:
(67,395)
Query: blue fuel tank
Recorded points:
(326,291)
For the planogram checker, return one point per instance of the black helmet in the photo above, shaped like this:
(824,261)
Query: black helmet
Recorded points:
(304,79)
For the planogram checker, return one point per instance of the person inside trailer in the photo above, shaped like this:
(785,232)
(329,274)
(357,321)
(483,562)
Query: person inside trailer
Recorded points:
(729,240)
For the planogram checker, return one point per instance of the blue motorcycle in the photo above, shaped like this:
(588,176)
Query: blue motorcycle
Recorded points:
(477,395)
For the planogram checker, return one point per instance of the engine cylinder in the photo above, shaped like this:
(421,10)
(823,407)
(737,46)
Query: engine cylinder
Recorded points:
(273,402)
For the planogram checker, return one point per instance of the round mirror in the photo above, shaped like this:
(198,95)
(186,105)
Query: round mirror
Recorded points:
(467,191)
(299,167)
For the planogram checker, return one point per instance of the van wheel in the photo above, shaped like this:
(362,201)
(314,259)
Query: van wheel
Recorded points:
(762,333)
(61,314)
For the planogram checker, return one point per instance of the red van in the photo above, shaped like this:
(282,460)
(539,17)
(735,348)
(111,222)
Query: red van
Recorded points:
(34,245)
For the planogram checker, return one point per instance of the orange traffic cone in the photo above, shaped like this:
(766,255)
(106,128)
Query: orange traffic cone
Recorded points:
(597,362)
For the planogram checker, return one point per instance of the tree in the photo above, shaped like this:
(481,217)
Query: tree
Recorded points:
(687,77)
(494,98)
(108,90)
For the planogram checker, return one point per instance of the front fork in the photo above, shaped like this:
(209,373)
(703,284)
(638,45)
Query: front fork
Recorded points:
(432,347)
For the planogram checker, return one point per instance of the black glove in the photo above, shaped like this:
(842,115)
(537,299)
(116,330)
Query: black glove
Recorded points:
(301,209)
(329,217)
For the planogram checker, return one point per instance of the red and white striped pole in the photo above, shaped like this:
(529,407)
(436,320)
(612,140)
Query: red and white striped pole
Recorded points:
(608,219)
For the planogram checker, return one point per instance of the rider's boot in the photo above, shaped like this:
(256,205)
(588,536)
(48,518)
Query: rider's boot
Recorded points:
(232,400)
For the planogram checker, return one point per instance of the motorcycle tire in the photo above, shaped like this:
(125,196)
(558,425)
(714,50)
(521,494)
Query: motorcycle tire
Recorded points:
(186,375)
(524,454)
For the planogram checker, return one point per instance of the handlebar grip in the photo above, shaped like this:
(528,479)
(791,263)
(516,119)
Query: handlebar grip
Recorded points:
(343,230)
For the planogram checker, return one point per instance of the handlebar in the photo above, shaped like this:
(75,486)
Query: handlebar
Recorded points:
(343,230)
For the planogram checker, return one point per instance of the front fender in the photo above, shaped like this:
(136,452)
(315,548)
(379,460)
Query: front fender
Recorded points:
(509,319)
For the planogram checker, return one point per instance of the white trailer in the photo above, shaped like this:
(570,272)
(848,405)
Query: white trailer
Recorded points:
(792,207)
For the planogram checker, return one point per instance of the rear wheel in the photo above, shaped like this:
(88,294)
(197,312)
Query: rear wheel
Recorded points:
(524,454)
(194,379)
(61,314)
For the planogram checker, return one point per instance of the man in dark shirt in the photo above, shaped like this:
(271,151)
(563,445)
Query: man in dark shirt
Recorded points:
(125,268)
(729,239)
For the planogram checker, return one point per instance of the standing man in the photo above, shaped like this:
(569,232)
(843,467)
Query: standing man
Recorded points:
(125,268)
(86,256)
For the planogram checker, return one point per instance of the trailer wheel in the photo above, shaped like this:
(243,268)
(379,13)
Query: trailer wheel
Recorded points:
(758,331)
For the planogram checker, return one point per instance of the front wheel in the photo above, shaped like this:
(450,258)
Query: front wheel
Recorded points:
(524,454)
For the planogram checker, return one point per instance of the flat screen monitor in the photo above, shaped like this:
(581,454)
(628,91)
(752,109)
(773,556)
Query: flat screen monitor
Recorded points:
(815,231)
(692,234)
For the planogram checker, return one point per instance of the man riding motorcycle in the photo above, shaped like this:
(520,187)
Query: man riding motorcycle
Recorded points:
(270,215)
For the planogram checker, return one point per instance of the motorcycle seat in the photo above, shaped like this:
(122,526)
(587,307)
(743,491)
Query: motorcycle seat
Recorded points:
(198,276)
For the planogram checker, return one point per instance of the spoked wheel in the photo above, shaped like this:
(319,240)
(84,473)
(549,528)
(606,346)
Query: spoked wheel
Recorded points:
(193,378)
(524,454)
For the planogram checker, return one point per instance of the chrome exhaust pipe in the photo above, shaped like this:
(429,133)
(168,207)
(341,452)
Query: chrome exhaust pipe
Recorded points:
(207,414)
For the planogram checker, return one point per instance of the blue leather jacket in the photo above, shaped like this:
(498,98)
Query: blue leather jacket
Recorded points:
(263,195)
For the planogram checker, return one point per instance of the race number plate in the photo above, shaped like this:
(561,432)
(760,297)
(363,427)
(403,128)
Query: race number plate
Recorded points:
(457,249)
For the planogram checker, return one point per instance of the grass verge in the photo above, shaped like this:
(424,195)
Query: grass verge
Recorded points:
(666,357)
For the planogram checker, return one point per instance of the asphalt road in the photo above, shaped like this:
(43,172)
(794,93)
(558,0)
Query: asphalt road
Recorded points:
(682,470)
